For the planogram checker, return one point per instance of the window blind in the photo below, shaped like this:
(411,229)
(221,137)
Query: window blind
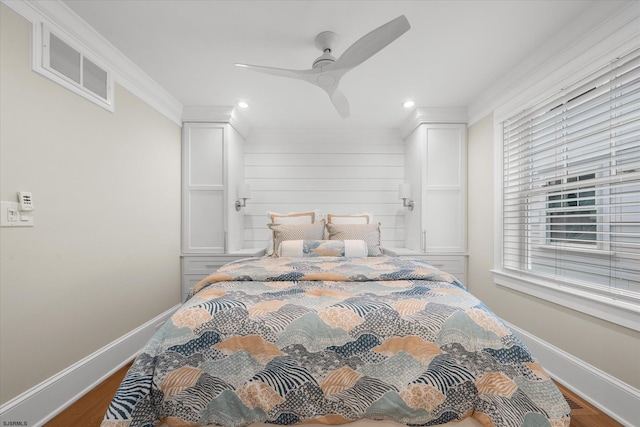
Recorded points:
(571,193)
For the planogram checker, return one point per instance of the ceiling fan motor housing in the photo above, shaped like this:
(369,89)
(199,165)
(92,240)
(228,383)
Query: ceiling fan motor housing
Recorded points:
(325,41)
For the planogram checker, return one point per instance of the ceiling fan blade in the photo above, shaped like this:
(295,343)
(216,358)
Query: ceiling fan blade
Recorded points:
(340,102)
(282,72)
(373,42)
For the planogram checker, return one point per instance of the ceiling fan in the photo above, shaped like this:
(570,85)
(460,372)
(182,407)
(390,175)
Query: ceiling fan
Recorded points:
(326,70)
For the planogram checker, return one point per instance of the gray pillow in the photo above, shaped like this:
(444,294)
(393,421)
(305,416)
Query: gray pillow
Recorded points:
(370,233)
(282,232)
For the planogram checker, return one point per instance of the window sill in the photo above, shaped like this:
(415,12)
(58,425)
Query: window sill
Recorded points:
(620,312)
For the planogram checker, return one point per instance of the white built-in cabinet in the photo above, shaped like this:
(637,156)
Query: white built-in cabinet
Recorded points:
(436,168)
(212,228)
(204,188)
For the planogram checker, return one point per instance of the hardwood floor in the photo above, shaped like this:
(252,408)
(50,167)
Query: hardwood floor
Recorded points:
(583,414)
(89,409)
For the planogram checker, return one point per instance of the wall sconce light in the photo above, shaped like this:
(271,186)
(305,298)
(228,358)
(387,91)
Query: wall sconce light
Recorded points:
(244,193)
(404,193)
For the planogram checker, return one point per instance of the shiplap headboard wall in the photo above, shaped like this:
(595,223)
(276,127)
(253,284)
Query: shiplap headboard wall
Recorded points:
(334,171)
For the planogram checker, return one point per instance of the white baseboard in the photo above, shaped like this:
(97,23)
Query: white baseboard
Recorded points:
(41,403)
(615,398)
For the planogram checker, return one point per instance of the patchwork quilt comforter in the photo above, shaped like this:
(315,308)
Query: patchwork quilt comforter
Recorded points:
(331,340)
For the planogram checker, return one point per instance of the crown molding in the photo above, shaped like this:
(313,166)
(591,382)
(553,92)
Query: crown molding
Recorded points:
(58,16)
(602,32)
(191,113)
(217,114)
(422,115)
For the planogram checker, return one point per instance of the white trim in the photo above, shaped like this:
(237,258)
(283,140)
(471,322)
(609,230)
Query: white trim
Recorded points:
(605,30)
(217,115)
(58,16)
(41,403)
(497,194)
(422,115)
(620,312)
(613,397)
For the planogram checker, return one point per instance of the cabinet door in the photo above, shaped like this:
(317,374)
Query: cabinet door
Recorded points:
(444,189)
(203,188)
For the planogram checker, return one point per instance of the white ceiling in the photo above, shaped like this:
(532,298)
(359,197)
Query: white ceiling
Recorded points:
(454,51)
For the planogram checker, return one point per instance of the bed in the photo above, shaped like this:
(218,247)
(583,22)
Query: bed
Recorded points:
(335,340)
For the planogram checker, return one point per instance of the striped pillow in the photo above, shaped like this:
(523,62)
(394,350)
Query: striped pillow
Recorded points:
(283,232)
(363,218)
(292,218)
(370,233)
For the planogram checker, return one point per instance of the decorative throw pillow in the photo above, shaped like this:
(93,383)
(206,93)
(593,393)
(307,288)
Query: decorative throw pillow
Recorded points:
(362,218)
(292,218)
(318,248)
(370,233)
(284,232)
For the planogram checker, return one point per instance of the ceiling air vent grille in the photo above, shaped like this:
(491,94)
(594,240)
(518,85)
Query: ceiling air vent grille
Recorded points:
(64,59)
(68,65)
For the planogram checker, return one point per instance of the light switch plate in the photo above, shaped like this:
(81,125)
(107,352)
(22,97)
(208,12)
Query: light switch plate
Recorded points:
(10,216)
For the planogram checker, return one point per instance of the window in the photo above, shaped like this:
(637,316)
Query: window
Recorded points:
(571,187)
(571,213)
(61,60)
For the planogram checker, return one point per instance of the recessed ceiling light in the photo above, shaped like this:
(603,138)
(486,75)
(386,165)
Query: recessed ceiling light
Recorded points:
(408,103)
(243,104)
